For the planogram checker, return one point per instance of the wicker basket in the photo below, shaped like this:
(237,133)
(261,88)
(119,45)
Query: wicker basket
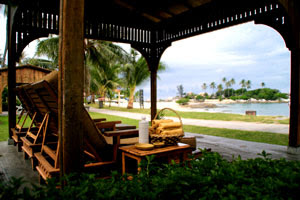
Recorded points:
(167,139)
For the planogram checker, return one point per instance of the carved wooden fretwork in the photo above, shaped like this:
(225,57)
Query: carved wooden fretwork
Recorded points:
(35,19)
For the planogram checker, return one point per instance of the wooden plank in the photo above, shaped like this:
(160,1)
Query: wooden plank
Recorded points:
(31,135)
(105,125)
(124,126)
(131,132)
(50,152)
(46,165)
(167,149)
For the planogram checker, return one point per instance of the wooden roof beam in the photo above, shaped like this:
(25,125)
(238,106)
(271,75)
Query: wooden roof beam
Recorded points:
(143,12)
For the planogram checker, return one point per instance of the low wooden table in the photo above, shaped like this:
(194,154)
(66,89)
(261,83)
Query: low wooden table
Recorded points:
(180,151)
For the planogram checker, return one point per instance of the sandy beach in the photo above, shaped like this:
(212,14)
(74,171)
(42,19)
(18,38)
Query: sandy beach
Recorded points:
(193,106)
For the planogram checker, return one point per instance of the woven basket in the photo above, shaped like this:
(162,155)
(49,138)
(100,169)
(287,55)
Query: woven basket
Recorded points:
(167,139)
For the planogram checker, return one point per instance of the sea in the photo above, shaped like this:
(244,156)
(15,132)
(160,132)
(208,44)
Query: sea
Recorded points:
(271,109)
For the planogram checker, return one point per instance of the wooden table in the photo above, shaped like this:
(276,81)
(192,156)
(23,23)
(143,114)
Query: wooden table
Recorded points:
(180,151)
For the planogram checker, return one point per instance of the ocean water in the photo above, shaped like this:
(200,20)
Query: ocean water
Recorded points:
(273,109)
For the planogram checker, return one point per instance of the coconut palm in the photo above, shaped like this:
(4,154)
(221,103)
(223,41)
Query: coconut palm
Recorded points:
(204,87)
(243,84)
(97,53)
(263,84)
(220,87)
(232,81)
(248,84)
(105,78)
(180,90)
(224,80)
(228,84)
(49,48)
(47,64)
(212,86)
(134,73)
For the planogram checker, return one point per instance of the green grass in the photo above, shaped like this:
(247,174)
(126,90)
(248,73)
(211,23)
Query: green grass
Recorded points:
(115,118)
(3,128)
(255,136)
(208,116)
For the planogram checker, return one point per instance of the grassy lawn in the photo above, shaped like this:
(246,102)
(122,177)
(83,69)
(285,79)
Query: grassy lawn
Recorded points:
(255,136)
(208,116)
(3,128)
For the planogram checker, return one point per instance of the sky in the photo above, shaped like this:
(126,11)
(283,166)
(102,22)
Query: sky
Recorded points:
(247,51)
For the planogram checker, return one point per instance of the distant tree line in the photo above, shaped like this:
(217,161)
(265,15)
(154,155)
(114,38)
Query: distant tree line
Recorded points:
(227,91)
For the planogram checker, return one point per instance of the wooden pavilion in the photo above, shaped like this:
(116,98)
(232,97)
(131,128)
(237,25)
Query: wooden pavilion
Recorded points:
(150,26)
(24,74)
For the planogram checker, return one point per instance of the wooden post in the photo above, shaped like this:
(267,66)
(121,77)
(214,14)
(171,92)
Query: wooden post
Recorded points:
(11,73)
(153,91)
(70,95)
(292,8)
(294,136)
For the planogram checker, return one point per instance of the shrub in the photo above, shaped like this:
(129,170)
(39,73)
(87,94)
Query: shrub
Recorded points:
(200,97)
(210,177)
(182,101)
(233,98)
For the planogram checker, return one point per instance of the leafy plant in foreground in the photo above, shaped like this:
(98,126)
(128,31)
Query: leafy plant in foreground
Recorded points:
(209,177)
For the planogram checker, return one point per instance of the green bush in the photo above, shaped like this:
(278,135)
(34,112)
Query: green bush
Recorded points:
(199,97)
(182,101)
(210,177)
(233,98)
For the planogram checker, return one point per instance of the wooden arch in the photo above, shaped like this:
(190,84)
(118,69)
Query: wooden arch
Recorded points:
(35,19)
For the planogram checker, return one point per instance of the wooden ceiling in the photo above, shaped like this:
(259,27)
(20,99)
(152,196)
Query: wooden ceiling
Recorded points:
(160,10)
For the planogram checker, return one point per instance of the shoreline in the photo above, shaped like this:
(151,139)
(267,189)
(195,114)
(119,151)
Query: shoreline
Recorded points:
(220,107)
(229,101)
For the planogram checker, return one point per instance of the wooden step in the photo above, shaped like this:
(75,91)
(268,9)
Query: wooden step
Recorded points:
(27,150)
(28,143)
(50,152)
(45,169)
(30,134)
(15,138)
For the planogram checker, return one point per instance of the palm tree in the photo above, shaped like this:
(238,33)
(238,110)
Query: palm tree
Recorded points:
(47,64)
(263,84)
(204,87)
(228,84)
(49,48)
(220,87)
(105,78)
(134,73)
(212,86)
(224,80)
(232,81)
(180,90)
(243,85)
(97,53)
(248,84)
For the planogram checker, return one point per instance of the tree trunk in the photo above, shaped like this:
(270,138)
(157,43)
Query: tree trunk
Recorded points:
(131,98)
